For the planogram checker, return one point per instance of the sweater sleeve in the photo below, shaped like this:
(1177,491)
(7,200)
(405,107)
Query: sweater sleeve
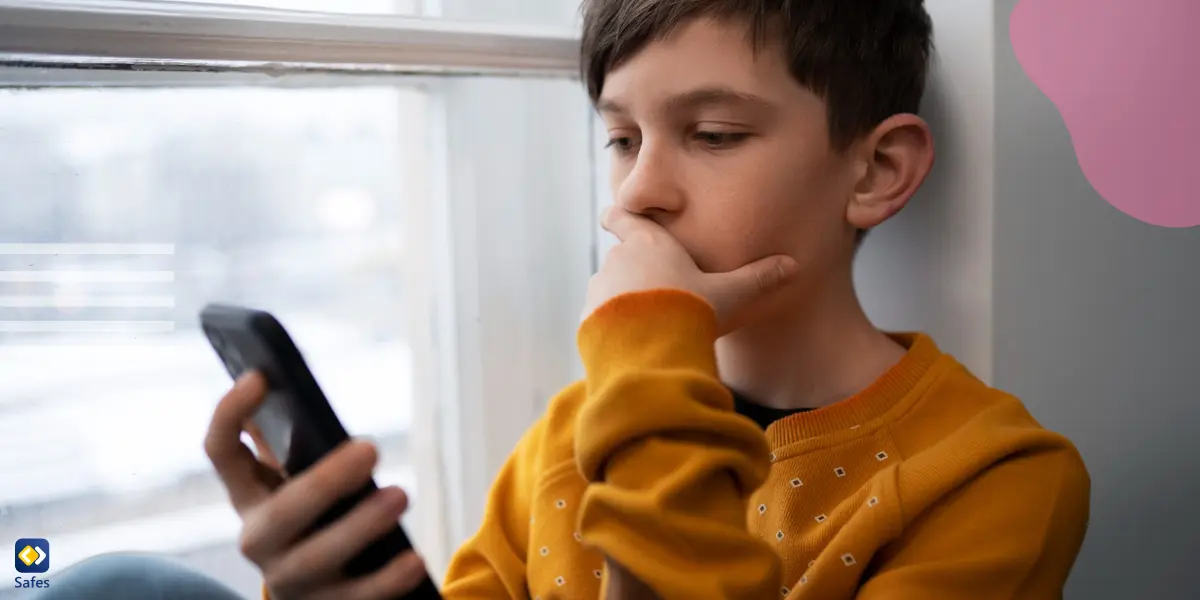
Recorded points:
(670,466)
(1012,533)
(491,564)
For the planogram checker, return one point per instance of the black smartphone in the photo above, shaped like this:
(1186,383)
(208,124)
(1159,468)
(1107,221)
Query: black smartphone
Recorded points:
(295,420)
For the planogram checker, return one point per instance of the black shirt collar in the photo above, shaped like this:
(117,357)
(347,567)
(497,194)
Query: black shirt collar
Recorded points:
(763,415)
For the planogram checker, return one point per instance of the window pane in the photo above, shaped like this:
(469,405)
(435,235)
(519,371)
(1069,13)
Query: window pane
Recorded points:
(123,212)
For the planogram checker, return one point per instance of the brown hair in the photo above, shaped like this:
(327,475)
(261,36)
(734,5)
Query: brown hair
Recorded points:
(866,58)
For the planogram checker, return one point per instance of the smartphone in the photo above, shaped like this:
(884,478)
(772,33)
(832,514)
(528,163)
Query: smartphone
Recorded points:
(295,421)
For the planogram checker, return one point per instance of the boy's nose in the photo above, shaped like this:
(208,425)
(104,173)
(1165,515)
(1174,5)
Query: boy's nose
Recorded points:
(650,187)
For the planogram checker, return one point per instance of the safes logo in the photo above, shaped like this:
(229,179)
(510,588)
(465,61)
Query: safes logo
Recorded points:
(31,555)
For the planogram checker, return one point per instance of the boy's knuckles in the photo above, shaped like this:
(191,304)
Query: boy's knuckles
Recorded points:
(252,542)
(280,583)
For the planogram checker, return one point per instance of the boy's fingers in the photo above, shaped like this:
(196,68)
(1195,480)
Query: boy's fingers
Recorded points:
(297,504)
(318,558)
(625,224)
(394,580)
(741,286)
(239,470)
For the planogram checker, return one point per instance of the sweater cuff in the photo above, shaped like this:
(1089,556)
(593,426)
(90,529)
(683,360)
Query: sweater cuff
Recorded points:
(650,363)
(654,329)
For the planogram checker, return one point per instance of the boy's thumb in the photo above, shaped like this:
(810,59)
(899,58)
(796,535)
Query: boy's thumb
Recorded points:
(756,279)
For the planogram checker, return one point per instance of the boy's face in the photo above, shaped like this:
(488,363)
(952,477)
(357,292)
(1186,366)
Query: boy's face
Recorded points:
(719,145)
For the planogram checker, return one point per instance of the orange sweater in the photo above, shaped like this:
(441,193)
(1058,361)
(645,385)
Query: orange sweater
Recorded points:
(927,485)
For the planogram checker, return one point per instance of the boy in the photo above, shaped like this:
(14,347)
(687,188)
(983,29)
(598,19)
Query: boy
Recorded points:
(743,431)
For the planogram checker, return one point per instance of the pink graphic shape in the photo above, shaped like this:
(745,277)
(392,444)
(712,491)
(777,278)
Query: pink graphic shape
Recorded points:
(1125,76)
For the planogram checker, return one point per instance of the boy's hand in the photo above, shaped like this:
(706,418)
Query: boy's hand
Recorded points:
(276,512)
(650,258)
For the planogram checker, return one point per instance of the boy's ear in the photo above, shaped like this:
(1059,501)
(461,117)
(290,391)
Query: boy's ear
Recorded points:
(893,161)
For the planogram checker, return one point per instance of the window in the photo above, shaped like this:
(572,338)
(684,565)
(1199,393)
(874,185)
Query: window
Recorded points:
(425,237)
(292,200)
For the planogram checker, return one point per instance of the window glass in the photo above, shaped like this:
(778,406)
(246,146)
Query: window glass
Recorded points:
(124,211)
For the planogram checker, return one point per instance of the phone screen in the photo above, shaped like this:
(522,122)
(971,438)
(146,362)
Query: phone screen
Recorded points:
(273,428)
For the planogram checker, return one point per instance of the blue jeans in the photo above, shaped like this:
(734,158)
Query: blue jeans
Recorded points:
(133,577)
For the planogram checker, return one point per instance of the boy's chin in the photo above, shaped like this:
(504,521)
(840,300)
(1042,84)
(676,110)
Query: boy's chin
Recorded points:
(771,311)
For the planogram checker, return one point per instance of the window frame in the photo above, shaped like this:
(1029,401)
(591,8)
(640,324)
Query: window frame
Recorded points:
(492,374)
(153,35)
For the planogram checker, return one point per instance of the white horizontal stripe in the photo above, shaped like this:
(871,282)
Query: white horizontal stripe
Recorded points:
(79,276)
(114,327)
(88,249)
(87,301)
(196,32)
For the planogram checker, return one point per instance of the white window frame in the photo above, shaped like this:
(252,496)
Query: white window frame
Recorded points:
(490,367)
(276,41)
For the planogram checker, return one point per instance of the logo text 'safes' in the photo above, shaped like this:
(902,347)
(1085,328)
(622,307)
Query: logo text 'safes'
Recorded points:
(31,555)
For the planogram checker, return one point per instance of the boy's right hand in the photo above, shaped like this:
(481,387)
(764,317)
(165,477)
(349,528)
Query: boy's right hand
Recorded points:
(276,512)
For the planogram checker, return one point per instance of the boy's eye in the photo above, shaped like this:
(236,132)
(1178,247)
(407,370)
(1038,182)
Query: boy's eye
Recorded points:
(719,139)
(620,144)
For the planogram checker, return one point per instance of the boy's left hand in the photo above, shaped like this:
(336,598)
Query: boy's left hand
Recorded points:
(650,258)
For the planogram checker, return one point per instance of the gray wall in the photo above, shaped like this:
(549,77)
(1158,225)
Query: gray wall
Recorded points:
(1013,263)
(930,267)
(1095,327)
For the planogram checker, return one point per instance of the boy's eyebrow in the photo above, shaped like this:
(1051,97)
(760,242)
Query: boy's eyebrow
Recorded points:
(693,99)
